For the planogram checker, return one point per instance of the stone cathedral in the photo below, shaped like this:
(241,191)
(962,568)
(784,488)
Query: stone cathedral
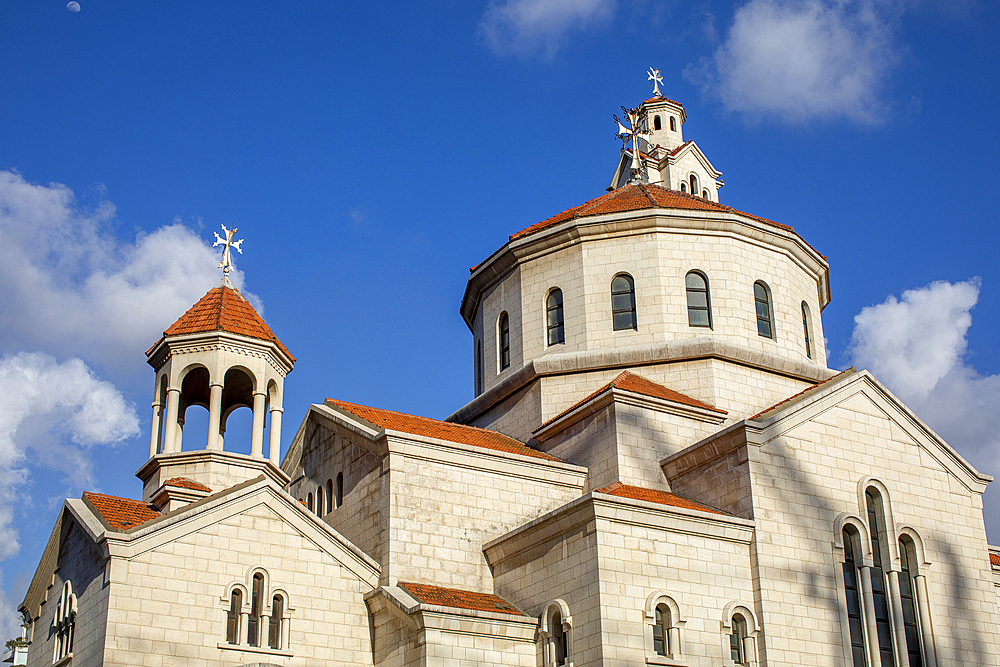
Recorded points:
(657,468)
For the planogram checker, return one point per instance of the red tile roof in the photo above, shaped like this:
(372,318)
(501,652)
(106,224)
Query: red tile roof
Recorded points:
(121,513)
(629,381)
(224,309)
(185,483)
(432,428)
(451,597)
(651,496)
(663,99)
(638,197)
(807,389)
(994,559)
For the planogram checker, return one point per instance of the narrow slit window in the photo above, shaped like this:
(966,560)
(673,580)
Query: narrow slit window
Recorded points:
(852,593)
(657,125)
(503,340)
(623,302)
(558,640)
(309,502)
(737,651)
(908,598)
(319,500)
(805,330)
(340,489)
(661,630)
(274,625)
(704,194)
(329,496)
(684,187)
(698,304)
(253,624)
(762,305)
(554,317)
(673,124)
(880,589)
(233,618)
(694,184)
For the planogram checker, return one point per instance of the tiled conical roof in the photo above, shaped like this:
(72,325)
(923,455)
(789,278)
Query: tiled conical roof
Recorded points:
(225,309)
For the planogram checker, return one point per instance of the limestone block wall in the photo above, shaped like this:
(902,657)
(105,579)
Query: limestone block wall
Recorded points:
(809,470)
(681,170)
(328,451)
(517,415)
(80,563)
(504,296)
(723,483)
(446,505)
(591,442)
(169,607)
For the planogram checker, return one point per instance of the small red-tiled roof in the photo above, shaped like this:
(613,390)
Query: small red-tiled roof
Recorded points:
(433,428)
(651,496)
(637,197)
(994,559)
(121,513)
(679,148)
(629,381)
(663,99)
(224,309)
(807,389)
(452,597)
(185,483)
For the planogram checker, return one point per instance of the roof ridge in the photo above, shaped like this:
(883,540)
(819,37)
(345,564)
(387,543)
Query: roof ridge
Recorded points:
(807,389)
(652,200)
(439,421)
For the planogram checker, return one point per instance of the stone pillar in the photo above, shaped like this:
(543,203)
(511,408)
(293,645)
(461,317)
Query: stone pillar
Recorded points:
(257,439)
(897,615)
(283,635)
(869,602)
(274,447)
(750,651)
(154,436)
(242,635)
(674,643)
(930,659)
(215,417)
(170,428)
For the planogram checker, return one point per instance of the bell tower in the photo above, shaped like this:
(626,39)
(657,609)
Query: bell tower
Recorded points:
(219,355)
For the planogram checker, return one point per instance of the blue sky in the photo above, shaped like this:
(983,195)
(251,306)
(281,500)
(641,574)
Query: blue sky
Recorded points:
(371,152)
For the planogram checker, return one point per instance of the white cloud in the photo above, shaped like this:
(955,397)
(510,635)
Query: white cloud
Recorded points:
(528,28)
(801,60)
(68,286)
(54,413)
(916,346)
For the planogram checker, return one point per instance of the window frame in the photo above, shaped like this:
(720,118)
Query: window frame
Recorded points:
(748,646)
(329,496)
(550,639)
(807,330)
(768,302)
(263,613)
(503,342)
(674,647)
(657,123)
(340,490)
(560,326)
(64,623)
(708,299)
(673,124)
(631,292)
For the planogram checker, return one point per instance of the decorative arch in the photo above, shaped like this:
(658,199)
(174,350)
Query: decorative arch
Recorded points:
(664,632)
(257,615)
(694,181)
(739,635)
(887,523)
(555,330)
(555,633)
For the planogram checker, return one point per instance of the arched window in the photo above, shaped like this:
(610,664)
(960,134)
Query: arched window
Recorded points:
(805,330)
(673,124)
(663,636)
(329,496)
(340,489)
(554,316)
(852,591)
(558,640)
(233,619)
(684,187)
(661,630)
(657,125)
(309,502)
(880,589)
(737,640)
(64,623)
(762,305)
(908,600)
(698,304)
(319,500)
(704,194)
(253,623)
(274,625)
(694,184)
(503,340)
(556,625)
(479,367)
(623,302)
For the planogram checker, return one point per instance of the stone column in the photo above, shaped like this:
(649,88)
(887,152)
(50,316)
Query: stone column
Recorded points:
(897,615)
(154,436)
(215,417)
(869,602)
(242,636)
(283,635)
(274,448)
(674,645)
(925,621)
(257,439)
(170,429)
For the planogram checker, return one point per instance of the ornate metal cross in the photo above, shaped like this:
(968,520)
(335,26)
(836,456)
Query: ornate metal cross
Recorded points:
(227,260)
(634,133)
(655,80)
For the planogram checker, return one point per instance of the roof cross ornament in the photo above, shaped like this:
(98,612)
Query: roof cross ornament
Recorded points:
(655,80)
(636,132)
(227,260)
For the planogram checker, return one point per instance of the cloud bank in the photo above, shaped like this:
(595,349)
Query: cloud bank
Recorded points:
(800,60)
(70,287)
(539,28)
(916,346)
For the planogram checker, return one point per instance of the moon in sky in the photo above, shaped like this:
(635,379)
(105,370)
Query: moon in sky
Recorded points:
(73,6)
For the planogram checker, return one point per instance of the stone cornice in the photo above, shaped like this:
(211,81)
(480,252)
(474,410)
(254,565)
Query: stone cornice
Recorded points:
(703,347)
(208,456)
(225,341)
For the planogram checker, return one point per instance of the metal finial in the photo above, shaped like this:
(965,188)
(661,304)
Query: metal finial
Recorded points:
(227,260)
(636,132)
(655,80)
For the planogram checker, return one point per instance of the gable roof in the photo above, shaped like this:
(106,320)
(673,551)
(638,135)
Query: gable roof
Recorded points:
(653,496)
(629,381)
(805,393)
(223,308)
(452,597)
(433,428)
(120,513)
(638,197)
